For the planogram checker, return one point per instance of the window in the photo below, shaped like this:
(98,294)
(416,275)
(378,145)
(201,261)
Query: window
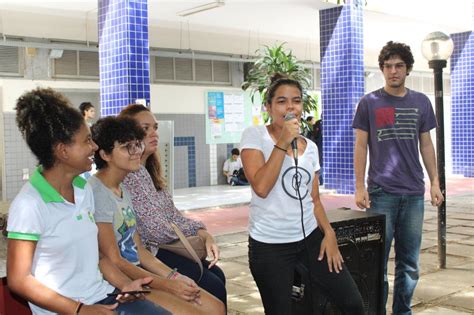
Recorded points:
(77,64)
(192,71)
(183,69)
(221,71)
(203,70)
(10,61)
(166,68)
(88,64)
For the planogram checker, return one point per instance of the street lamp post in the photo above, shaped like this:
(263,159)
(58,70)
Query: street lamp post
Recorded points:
(437,47)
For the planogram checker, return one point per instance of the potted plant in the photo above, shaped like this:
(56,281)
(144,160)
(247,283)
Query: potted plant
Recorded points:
(275,59)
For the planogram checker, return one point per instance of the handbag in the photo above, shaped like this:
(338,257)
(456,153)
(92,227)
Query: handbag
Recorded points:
(191,247)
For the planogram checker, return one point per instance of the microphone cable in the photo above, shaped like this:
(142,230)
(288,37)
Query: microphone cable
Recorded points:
(310,282)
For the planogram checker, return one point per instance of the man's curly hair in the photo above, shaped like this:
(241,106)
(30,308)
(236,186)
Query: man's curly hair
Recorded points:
(396,49)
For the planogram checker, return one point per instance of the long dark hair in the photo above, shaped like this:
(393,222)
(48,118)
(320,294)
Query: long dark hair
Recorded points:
(46,118)
(152,163)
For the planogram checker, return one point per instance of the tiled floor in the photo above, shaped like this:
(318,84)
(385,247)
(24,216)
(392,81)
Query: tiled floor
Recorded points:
(210,196)
(215,196)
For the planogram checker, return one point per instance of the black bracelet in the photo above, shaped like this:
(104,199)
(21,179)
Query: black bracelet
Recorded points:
(279,148)
(78,308)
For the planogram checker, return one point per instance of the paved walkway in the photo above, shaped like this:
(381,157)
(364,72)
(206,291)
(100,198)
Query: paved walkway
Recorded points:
(224,209)
(446,292)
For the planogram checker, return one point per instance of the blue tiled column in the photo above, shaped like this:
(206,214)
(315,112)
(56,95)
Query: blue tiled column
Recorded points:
(342,85)
(190,143)
(123,54)
(462,103)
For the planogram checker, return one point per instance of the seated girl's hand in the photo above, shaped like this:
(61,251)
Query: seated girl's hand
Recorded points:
(187,280)
(212,250)
(333,256)
(185,288)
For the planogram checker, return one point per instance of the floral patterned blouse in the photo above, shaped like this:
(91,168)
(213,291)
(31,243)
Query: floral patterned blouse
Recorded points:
(154,209)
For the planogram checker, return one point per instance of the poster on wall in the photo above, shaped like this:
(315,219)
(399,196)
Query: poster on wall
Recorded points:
(228,113)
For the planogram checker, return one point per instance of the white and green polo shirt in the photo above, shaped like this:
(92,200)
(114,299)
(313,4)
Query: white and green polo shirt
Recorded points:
(66,258)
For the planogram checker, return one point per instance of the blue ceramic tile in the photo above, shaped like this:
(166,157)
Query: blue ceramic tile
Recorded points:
(123,54)
(342,85)
(462,103)
(190,143)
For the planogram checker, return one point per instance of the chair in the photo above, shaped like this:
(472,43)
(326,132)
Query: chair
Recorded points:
(10,303)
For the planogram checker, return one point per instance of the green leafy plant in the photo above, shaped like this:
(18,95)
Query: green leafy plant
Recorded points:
(271,60)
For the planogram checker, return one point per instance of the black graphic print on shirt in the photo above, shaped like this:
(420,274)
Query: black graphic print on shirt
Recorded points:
(296,178)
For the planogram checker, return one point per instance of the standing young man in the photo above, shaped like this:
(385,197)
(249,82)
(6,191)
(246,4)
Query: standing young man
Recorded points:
(394,123)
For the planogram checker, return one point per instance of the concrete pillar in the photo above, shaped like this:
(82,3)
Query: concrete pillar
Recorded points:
(342,85)
(123,54)
(462,103)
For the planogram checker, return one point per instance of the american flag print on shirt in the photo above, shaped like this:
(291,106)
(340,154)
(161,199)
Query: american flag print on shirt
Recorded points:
(396,123)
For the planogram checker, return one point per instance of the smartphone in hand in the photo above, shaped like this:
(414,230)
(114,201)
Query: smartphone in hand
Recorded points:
(129,292)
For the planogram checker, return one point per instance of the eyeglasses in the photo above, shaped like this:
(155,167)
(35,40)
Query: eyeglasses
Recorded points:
(134,147)
(397,66)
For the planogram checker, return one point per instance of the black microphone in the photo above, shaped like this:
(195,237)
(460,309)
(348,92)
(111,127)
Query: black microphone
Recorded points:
(294,146)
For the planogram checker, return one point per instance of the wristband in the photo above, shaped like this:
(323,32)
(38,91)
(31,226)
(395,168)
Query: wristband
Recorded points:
(78,307)
(173,274)
(279,148)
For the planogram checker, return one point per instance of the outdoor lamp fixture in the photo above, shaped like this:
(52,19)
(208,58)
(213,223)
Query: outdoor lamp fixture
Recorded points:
(437,47)
(200,8)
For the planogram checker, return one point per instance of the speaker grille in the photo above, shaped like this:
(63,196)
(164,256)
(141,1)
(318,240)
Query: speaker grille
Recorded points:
(361,241)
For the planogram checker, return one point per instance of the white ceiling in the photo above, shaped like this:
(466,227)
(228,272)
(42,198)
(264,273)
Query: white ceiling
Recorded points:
(403,20)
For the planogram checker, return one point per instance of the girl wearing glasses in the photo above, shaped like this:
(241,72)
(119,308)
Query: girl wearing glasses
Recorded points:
(155,208)
(53,258)
(120,148)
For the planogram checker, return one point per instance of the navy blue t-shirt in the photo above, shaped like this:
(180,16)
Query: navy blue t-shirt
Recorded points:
(394,125)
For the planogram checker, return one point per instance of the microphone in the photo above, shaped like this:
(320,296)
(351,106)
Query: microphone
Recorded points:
(294,146)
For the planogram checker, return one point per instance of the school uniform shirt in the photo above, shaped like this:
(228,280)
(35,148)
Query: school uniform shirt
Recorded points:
(111,208)
(277,218)
(66,258)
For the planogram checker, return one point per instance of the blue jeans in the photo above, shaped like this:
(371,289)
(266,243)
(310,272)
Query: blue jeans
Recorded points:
(273,266)
(404,223)
(238,182)
(137,307)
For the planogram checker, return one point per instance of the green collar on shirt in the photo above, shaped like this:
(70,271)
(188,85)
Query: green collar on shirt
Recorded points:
(46,191)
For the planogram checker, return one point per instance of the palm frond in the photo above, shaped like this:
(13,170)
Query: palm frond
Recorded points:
(276,59)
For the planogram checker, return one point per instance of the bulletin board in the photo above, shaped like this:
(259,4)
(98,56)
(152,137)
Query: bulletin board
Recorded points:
(228,113)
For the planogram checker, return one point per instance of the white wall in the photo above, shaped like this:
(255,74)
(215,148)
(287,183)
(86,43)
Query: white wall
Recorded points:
(181,99)
(38,25)
(14,88)
(165,98)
